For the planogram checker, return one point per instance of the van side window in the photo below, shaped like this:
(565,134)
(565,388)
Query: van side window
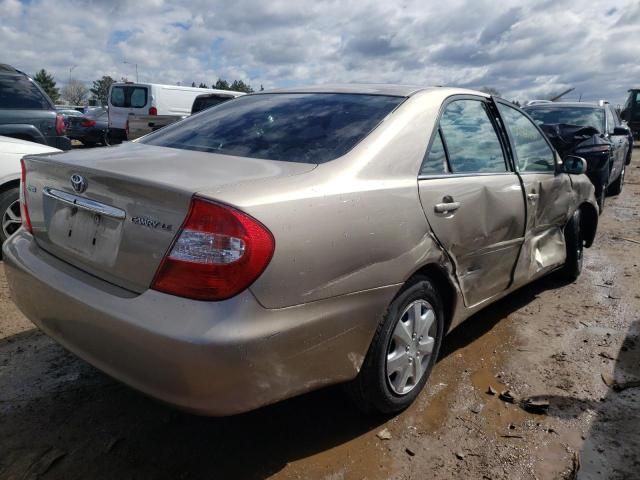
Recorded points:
(472,142)
(435,160)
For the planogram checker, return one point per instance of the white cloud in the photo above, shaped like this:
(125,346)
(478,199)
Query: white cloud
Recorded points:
(522,49)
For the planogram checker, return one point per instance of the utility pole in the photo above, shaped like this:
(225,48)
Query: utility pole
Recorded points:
(71,70)
(129,63)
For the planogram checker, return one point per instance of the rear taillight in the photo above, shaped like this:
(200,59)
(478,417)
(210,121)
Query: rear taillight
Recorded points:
(88,123)
(218,253)
(60,129)
(153,111)
(24,211)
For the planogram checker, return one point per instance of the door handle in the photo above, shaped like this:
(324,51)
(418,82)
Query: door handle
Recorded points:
(532,197)
(446,207)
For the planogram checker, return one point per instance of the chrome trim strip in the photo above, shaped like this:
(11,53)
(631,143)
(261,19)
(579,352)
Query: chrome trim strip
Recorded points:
(85,204)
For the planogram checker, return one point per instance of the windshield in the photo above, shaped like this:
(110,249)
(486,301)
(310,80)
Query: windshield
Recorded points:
(307,128)
(581,116)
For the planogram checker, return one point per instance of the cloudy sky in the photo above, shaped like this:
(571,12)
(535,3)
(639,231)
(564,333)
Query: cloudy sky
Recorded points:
(523,49)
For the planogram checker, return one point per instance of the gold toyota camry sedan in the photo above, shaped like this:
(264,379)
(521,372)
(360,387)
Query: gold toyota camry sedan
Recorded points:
(287,240)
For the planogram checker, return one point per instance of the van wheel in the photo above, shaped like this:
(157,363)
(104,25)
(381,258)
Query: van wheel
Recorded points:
(616,187)
(402,352)
(9,213)
(575,249)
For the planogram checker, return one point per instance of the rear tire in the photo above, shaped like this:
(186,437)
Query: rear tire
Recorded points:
(402,352)
(10,218)
(616,187)
(575,248)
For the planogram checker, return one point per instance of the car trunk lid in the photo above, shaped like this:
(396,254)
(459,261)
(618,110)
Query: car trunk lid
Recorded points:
(115,212)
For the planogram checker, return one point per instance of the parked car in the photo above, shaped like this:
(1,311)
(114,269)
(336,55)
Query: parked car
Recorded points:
(67,114)
(11,151)
(208,100)
(136,109)
(288,240)
(89,128)
(592,131)
(631,112)
(26,112)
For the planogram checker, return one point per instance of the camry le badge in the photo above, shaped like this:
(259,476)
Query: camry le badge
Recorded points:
(79,183)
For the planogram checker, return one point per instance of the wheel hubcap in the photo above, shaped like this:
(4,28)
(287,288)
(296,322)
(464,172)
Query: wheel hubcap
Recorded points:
(11,219)
(411,346)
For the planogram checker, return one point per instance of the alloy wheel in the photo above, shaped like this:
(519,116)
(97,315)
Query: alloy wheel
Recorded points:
(11,219)
(410,346)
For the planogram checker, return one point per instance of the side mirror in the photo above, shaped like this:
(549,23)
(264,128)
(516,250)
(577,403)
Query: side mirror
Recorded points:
(620,131)
(623,115)
(574,165)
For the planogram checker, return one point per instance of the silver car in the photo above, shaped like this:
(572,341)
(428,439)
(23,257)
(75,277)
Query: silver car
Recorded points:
(288,240)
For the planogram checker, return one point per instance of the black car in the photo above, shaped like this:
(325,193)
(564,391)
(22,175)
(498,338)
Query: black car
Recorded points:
(90,128)
(592,131)
(208,100)
(26,112)
(631,112)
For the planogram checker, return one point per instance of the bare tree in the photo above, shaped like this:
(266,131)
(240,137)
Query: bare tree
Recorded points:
(490,91)
(75,92)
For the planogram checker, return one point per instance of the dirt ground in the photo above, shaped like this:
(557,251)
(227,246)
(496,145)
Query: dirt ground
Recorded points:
(62,419)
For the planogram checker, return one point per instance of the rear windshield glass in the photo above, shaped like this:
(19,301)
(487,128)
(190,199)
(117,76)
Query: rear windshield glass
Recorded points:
(582,116)
(202,103)
(129,96)
(20,93)
(306,128)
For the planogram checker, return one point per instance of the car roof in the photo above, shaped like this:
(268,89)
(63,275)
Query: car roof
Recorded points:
(396,90)
(555,105)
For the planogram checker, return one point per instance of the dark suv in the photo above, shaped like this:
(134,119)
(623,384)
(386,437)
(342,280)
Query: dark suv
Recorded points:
(631,111)
(593,131)
(27,112)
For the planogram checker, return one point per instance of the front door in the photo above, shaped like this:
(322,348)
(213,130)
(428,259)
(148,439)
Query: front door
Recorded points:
(548,195)
(472,199)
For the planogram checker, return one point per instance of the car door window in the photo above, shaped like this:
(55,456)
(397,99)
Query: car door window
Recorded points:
(533,153)
(610,121)
(435,160)
(471,139)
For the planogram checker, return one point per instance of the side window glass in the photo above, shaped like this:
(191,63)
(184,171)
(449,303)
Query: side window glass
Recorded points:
(610,121)
(472,142)
(532,151)
(435,160)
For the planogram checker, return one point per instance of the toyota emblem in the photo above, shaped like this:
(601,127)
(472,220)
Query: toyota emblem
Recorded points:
(79,183)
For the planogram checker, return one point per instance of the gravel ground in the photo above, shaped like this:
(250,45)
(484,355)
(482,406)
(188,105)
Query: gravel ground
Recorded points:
(60,418)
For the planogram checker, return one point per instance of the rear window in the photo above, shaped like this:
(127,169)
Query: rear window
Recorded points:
(18,92)
(202,103)
(128,96)
(581,116)
(306,128)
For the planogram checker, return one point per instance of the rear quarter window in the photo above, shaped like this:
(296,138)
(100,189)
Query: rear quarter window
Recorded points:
(291,127)
(18,92)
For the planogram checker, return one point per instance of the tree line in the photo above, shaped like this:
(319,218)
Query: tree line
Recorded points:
(76,93)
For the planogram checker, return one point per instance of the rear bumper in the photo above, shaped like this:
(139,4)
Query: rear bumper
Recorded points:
(63,143)
(216,358)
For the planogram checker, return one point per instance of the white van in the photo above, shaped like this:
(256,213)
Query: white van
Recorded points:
(150,99)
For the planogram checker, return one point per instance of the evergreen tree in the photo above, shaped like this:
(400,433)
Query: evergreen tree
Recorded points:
(48,84)
(100,89)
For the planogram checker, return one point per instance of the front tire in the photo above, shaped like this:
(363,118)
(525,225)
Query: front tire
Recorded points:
(402,352)
(10,218)
(574,242)
(616,187)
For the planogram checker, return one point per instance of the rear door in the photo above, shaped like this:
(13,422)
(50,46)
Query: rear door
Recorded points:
(548,194)
(472,198)
(125,99)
